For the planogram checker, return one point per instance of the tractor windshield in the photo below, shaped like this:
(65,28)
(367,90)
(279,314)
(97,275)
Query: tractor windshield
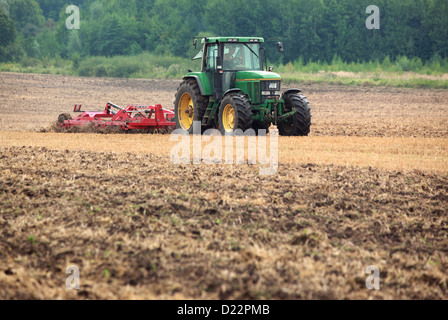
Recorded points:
(242,56)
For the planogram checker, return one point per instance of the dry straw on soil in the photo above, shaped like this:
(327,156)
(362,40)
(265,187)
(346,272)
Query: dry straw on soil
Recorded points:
(139,227)
(406,154)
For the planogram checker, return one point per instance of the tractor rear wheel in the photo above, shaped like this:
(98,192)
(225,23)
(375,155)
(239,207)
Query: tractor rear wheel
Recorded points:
(299,123)
(235,112)
(189,105)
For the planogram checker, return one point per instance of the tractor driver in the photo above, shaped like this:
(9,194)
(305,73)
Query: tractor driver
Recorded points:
(230,59)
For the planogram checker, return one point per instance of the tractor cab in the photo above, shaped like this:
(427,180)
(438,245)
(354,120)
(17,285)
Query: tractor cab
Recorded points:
(225,61)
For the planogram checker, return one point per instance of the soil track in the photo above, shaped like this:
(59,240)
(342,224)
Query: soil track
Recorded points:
(138,226)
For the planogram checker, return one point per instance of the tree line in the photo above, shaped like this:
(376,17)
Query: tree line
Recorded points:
(312,30)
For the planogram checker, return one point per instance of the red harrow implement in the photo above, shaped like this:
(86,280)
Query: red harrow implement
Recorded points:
(129,118)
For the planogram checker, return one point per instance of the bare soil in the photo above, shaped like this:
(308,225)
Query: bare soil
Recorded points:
(138,226)
(31,101)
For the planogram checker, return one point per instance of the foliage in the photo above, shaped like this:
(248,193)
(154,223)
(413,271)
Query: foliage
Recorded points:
(27,15)
(8,31)
(316,33)
(142,66)
(147,65)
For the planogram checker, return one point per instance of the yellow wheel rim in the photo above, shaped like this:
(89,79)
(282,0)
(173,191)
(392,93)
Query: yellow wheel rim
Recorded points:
(228,118)
(185,111)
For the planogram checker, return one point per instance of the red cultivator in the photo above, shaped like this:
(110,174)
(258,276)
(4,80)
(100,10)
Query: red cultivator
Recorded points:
(129,118)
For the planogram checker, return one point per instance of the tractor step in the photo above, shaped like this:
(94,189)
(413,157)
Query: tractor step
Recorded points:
(209,115)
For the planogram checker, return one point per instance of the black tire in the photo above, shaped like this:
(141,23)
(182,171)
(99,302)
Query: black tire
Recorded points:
(299,124)
(191,88)
(242,111)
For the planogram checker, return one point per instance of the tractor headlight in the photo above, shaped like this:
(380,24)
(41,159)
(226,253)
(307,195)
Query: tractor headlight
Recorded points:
(273,85)
(270,93)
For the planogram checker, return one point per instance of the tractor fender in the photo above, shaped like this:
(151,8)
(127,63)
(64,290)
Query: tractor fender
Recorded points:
(292,90)
(201,89)
(233,90)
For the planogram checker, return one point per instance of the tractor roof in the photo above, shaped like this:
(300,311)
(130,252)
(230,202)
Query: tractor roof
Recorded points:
(232,39)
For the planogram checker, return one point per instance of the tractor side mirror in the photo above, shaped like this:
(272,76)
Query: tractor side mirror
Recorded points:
(280,46)
(195,42)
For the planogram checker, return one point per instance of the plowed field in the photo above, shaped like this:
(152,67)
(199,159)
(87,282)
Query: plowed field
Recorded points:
(369,186)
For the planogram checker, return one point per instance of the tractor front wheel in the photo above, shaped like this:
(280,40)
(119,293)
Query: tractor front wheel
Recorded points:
(235,112)
(299,123)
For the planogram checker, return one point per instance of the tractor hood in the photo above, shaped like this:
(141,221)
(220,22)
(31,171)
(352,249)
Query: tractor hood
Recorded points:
(256,75)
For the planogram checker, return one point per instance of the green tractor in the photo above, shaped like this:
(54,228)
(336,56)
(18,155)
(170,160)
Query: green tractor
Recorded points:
(236,90)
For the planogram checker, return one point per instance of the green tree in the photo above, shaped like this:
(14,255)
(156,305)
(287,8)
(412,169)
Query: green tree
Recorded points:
(26,12)
(112,38)
(49,46)
(317,30)
(51,8)
(437,22)
(9,48)
(8,31)
(4,5)
(96,10)
(74,43)
(171,27)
